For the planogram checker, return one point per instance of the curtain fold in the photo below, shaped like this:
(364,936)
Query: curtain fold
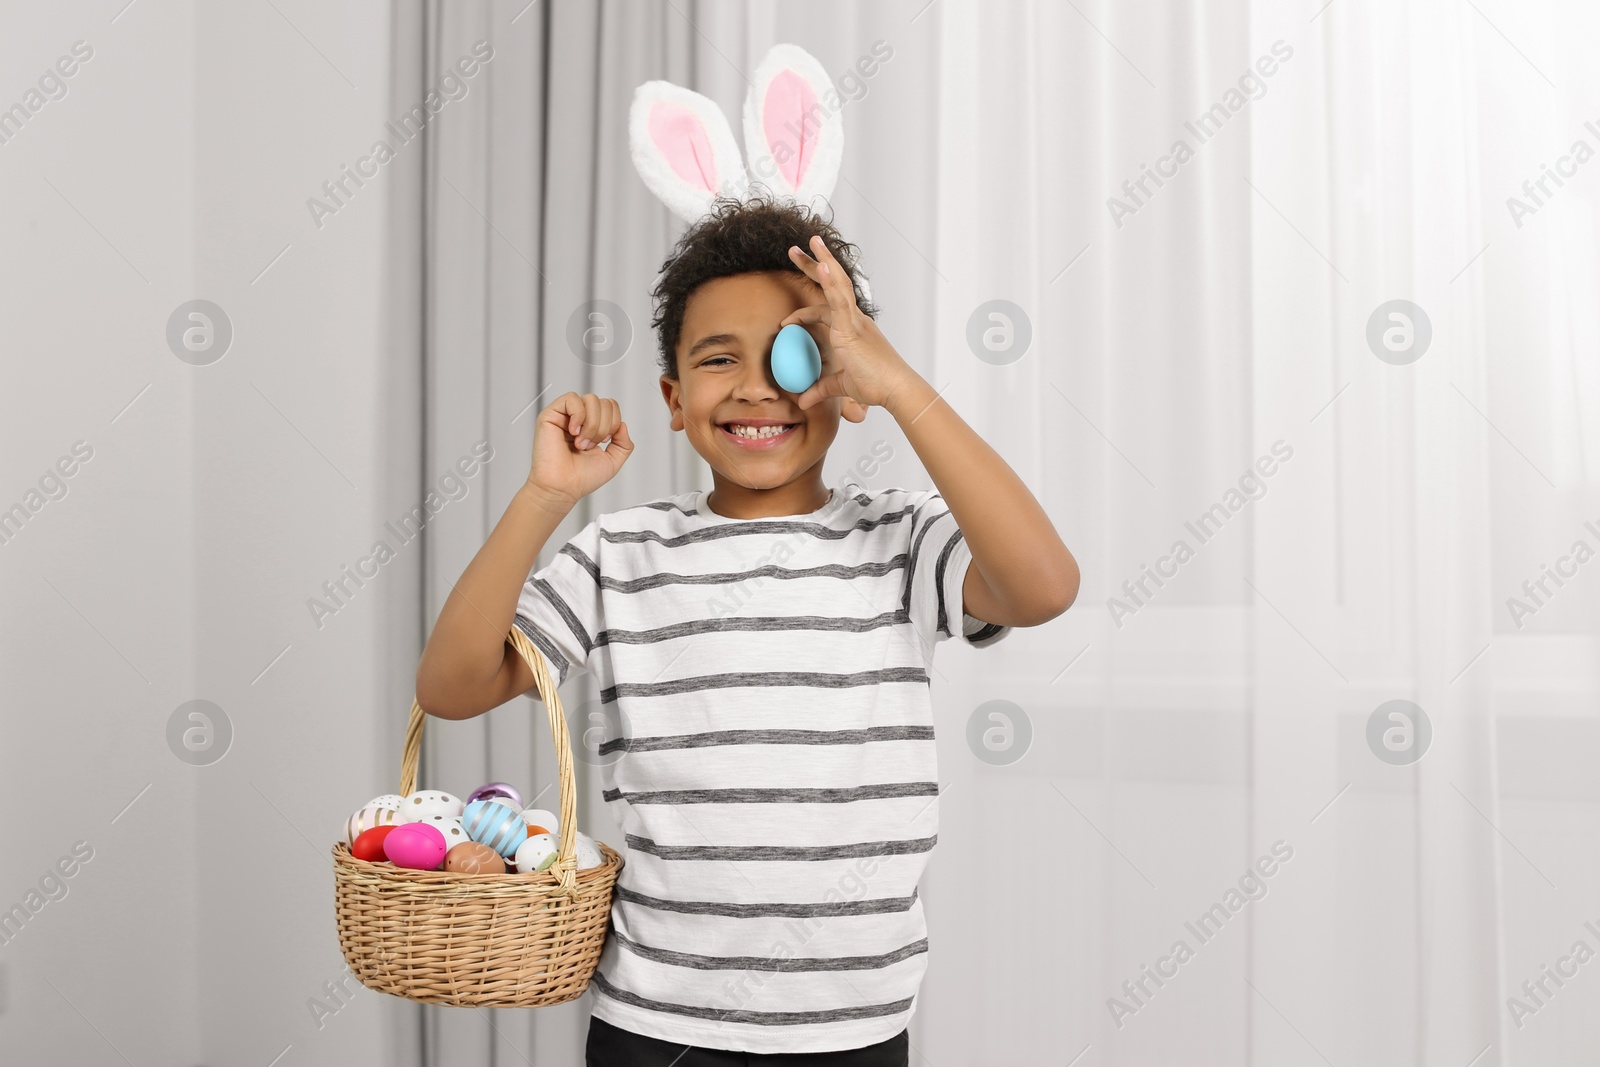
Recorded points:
(1382,559)
(529,216)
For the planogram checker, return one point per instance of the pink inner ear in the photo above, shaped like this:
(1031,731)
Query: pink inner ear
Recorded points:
(681,136)
(789,125)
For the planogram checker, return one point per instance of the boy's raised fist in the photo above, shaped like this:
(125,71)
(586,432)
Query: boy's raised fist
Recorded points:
(568,462)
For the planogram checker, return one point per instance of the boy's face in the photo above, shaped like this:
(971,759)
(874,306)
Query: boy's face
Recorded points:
(724,376)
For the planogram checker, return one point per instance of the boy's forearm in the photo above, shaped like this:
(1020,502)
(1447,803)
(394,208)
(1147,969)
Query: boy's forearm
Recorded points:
(1014,545)
(467,647)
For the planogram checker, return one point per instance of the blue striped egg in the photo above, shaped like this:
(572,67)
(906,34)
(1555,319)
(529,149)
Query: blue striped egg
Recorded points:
(497,825)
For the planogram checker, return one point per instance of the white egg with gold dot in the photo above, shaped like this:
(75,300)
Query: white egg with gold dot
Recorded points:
(537,853)
(450,826)
(420,805)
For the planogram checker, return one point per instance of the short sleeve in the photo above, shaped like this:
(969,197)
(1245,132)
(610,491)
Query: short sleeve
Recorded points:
(559,607)
(936,567)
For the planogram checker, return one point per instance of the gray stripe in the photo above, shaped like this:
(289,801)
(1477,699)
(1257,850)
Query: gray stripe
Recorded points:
(758,623)
(776,796)
(763,680)
(859,496)
(862,498)
(712,738)
(824,908)
(829,570)
(988,630)
(545,645)
(916,552)
(751,527)
(760,1018)
(938,579)
(698,962)
(568,616)
(782,852)
(577,555)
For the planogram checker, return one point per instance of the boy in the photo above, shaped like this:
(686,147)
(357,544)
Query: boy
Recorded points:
(764,649)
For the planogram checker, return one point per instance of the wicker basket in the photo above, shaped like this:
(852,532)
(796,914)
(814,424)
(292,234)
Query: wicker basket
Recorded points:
(480,940)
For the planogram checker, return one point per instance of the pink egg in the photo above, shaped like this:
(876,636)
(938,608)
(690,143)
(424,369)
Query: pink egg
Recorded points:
(416,845)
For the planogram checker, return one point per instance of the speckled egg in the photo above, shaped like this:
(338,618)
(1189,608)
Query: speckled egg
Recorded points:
(589,854)
(392,801)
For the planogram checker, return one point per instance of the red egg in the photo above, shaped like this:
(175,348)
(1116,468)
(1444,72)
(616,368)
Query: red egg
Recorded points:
(369,844)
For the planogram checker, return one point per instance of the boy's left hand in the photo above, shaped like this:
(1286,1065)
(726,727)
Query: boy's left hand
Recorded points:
(863,365)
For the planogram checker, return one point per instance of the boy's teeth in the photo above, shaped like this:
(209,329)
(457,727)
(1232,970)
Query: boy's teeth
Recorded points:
(765,431)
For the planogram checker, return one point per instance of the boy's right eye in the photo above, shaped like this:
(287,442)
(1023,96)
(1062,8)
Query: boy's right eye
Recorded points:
(713,359)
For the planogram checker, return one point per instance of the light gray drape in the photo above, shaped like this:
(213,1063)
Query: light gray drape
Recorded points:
(526,209)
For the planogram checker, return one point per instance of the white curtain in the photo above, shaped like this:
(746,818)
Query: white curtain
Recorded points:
(1185,333)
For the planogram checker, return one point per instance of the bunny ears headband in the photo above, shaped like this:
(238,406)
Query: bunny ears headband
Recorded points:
(685,150)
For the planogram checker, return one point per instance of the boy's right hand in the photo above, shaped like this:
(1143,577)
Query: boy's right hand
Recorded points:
(568,462)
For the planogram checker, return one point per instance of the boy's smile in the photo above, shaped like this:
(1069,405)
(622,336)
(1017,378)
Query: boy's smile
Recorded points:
(759,435)
(765,453)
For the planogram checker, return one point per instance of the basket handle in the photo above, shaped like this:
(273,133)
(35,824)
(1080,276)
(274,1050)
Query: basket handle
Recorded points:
(565,868)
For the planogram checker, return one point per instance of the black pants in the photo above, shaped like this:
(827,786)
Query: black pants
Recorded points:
(612,1046)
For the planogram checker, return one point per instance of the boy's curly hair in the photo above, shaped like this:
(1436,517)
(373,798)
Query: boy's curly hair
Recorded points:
(737,237)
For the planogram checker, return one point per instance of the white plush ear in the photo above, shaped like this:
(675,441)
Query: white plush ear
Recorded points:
(793,132)
(683,148)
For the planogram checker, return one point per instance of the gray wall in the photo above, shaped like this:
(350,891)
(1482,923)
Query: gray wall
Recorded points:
(178,563)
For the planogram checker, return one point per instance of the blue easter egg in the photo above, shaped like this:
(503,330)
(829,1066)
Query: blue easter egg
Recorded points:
(497,825)
(796,363)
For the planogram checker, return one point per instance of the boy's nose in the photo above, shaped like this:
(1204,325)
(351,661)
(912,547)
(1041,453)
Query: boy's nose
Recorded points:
(756,381)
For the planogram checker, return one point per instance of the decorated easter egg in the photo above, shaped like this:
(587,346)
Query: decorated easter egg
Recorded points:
(470,857)
(506,794)
(419,806)
(369,846)
(796,363)
(589,854)
(392,801)
(540,821)
(416,845)
(450,826)
(537,853)
(497,825)
(369,816)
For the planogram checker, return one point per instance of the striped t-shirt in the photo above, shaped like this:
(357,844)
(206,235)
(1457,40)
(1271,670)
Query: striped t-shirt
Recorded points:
(768,754)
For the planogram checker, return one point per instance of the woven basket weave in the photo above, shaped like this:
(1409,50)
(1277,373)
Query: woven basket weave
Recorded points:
(480,940)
